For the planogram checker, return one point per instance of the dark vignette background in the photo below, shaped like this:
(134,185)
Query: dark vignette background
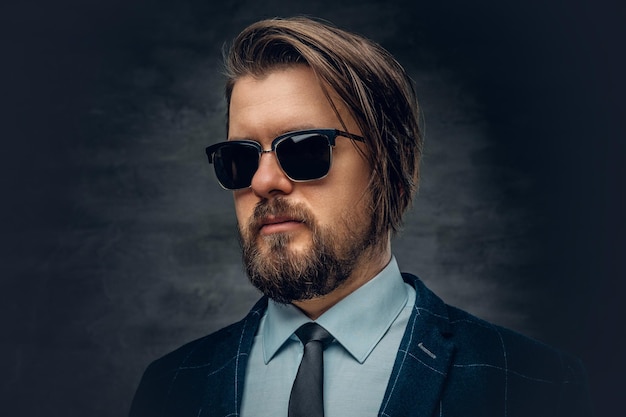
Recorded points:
(117,246)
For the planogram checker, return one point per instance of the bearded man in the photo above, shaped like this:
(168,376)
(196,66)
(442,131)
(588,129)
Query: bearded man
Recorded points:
(322,156)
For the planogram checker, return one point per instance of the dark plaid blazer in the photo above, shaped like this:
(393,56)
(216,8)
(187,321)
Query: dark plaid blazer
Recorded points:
(449,364)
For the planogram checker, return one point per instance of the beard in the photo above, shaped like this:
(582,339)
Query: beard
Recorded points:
(286,275)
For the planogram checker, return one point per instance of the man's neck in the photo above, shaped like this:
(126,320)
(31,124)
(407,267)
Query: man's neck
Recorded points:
(372,262)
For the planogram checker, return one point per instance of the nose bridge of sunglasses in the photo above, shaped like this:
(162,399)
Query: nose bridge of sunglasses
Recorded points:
(273,160)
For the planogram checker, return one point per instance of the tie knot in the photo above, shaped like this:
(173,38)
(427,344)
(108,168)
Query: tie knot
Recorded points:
(313,332)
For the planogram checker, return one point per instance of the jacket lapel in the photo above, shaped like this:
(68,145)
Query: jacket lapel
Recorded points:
(423,359)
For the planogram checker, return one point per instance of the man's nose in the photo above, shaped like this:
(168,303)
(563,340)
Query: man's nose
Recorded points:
(269,179)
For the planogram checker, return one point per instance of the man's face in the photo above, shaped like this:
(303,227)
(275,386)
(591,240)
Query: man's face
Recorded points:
(300,239)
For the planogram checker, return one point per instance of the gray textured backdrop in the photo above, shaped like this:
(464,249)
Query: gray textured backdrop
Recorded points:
(118,246)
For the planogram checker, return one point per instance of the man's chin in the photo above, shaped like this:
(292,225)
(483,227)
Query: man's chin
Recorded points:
(283,244)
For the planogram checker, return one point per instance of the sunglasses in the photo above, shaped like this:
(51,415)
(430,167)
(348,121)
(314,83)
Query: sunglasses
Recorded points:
(303,155)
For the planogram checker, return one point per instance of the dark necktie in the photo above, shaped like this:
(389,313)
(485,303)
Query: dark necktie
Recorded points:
(307,392)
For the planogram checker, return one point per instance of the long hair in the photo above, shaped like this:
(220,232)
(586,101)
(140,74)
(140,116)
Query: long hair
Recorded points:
(375,88)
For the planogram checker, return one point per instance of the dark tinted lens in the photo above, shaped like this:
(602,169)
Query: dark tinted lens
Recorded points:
(235,165)
(304,157)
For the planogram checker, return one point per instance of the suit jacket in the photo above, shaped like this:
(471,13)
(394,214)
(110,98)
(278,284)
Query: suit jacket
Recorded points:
(449,364)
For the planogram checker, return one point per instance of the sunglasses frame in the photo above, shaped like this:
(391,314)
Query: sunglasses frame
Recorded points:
(329,134)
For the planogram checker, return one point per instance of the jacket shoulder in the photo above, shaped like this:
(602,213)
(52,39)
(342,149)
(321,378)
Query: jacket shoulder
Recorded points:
(481,341)
(497,371)
(202,352)
(527,374)
(176,383)
(478,341)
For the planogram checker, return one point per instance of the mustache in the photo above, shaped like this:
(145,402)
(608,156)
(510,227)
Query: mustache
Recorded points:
(278,207)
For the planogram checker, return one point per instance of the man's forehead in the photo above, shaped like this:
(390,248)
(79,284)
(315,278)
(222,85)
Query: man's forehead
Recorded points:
(287,89)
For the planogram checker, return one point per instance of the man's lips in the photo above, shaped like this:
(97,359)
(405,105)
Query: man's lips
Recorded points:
(277,224)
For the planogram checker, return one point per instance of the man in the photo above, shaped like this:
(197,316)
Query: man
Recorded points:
(322,156)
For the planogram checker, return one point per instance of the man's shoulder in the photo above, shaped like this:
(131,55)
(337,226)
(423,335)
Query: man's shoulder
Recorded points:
(210,351)
(492,368)
(480,343)
(176,384)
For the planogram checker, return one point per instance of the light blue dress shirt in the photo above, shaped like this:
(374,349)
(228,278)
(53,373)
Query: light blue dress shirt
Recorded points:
(368,326)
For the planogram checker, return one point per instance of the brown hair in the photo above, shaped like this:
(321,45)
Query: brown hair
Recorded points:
(374,86)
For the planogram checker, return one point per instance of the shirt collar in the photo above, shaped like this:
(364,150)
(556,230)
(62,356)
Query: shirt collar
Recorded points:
(358,322)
